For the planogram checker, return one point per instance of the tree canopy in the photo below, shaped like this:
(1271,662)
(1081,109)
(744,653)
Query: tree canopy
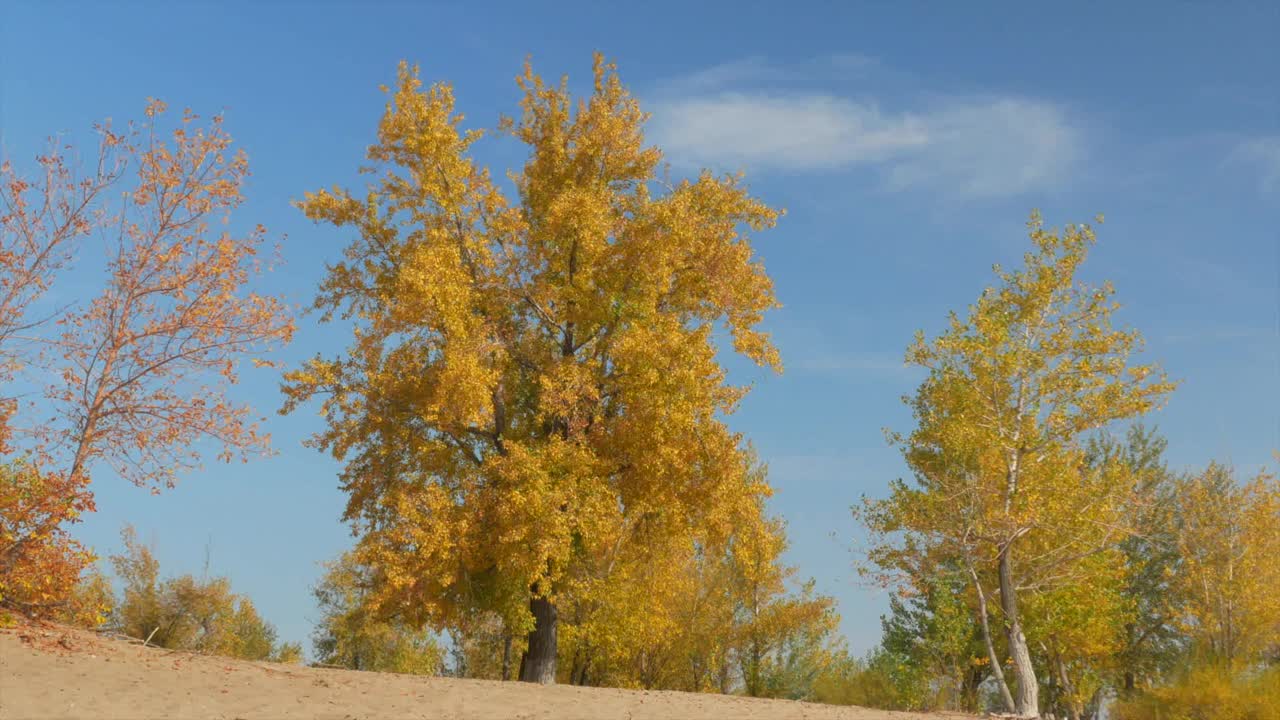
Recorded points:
(532,389)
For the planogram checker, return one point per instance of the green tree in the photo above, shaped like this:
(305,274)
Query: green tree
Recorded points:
(934,634)
(1152,641)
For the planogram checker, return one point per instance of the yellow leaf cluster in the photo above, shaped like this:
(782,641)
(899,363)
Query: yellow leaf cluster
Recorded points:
(531,401)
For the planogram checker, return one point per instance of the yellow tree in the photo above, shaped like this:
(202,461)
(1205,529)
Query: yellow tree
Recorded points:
(623,614)
(532,380)
(349,636)
(997,452)
(1080,631)
(483,647)
(781,640)
(701,612)
(1152,641)
(1228,537)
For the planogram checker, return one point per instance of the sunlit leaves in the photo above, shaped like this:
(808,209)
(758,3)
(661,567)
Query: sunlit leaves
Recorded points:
(531,391)
(349,635)
(136,378)
(40,563)
(998,452)
(1228,540)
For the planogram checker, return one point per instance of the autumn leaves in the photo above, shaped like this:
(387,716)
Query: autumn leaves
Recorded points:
(1076,552)
(530,408)
(130,381)
(532,420)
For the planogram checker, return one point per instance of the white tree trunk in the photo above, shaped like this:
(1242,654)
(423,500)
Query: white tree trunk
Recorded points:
(997,671)
(1027,700)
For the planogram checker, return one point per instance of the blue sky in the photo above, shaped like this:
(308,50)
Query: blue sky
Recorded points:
(907,141)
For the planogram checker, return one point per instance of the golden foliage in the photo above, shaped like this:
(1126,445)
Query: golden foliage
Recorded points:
(34,508)
(998,452)
(532,390)
(1209,692)
(1229,543)
(350,635)
(684,614)
(91,602)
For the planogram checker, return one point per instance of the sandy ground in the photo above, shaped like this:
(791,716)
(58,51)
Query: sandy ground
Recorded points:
(50,671)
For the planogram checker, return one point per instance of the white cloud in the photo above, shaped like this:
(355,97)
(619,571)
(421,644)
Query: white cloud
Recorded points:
(992,148)
(975,146)
(1264,155)
(757,71)
(793,133)
(747,70)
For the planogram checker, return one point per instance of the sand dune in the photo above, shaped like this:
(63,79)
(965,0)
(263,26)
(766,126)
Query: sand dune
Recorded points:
(51,671)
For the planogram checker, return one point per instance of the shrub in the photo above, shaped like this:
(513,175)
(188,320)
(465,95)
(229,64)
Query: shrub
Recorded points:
(1209,693)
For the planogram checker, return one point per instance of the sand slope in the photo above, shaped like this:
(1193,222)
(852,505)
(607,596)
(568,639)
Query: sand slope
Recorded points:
(50,671)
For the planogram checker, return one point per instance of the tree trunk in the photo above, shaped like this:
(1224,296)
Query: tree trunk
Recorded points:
(997,671)
(506,656)
(1068,690)
(972,686)
(751,678)
(539,664)
(581,664)
(1027,701)
(1094,705)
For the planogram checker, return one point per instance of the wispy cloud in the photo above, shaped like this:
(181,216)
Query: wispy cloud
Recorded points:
(754,70)
(988,146)
(1263,155)
(805,132)
(992,148)
(758,72)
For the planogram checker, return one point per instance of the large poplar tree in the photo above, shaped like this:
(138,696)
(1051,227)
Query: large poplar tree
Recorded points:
(532,380)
